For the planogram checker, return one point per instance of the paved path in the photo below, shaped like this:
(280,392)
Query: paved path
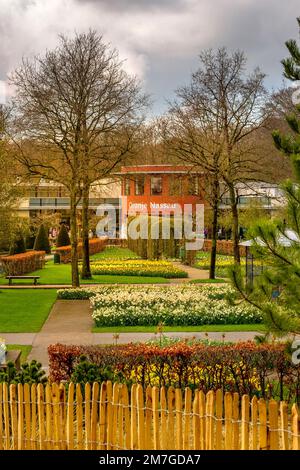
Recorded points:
(69,322)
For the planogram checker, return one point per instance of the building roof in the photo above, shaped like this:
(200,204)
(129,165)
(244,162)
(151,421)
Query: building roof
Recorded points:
(157,169)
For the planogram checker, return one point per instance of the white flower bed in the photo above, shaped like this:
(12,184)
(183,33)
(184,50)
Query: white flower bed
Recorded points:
(174,305)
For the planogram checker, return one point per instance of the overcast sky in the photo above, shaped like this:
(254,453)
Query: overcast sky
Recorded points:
(159,38)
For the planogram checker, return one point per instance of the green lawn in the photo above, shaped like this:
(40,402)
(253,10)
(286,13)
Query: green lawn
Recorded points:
(24,348)
(202,328)
(115,252)
(61,274)
(24,310)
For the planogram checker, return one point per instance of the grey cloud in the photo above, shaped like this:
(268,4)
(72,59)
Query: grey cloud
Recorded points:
(161,39)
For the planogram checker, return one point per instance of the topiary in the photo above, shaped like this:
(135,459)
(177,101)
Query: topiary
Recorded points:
(18,246)
(63,238)
(42,241)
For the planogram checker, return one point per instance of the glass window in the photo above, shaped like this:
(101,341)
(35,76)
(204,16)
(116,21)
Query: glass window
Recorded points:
(127,186)
(156,185)
(139,185)
(193,186)
(175,185)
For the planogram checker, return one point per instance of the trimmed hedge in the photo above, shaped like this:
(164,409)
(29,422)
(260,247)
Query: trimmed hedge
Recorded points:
(224,247)
(42,240)
(63,238)
(23,263)
(96,245)
(261,370)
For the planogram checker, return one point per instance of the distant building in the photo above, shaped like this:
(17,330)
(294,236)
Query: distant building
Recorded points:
(161,188)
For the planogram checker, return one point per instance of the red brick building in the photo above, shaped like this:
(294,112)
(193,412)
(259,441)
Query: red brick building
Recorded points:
(161,188)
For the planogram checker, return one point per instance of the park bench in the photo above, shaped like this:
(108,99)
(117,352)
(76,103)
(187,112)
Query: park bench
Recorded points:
(14,356)
(10,278)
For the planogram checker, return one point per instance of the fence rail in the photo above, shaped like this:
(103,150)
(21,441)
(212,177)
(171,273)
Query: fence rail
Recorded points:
(112,417)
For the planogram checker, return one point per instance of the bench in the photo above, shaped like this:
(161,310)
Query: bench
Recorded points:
(10,278)
(13,355)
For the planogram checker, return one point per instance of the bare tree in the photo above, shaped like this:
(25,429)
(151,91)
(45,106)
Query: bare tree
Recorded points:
(224,107)
(76,115)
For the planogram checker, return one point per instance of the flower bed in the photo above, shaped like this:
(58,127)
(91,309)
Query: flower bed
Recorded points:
(17,265)
(173,305)
(137,267)
(96,245)
(263,370)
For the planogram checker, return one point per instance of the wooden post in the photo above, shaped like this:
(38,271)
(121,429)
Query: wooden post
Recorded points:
(210,420)
(140,417)
(202,411)
(196,421)
(87,415)
(235,424)
(163,417)
(171,422)
(219,417)
(155,401)
(79,417)
(133,432)
(6,416)
(70,418)
(127,418)
(187,418)
(295,428)
(245,422)
(33,418)
(115,405)
(254,415)
(148,419)
(41,415)
(94,415)
(263,440)
(20,417)
(179,415)
(284,423)
(109,416)
(228,421)
(14,415)
(273,421)
(1,417)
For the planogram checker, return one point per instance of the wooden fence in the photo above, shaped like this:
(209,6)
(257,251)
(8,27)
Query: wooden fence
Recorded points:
(112,417)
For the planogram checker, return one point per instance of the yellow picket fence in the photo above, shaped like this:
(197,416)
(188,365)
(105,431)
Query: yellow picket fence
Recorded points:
(112,417)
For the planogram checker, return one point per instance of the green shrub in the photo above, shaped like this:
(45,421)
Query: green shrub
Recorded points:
(75,294)
(63,238)
(42,241)
(88,372)
(18,245)
(30,373)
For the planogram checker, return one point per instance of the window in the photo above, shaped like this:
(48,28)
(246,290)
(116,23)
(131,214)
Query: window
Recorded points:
(127,186)
(193,186)
(156,185)
(175,185)
(139,185)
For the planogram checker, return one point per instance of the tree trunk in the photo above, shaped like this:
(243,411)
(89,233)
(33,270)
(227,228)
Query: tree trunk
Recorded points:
(215,209)
(235,224)
(86,269)
(74,241)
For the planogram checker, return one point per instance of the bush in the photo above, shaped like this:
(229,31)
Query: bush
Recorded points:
(23,263)
(96,246)
(30,373)
(260,370)
(63,238)
(88,372)
(75,294)
(42,241)
(18,245)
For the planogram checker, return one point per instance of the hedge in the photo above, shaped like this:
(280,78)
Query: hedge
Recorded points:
(262,370)
(96,245)
(224,247)
(23,263)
